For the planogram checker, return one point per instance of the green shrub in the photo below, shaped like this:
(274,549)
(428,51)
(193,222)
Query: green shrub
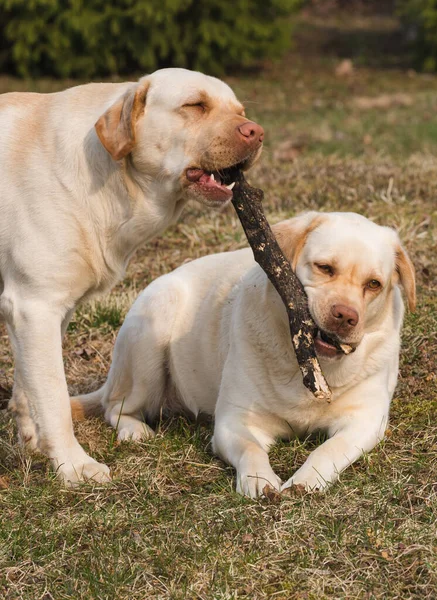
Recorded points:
(420,20)
(84,38)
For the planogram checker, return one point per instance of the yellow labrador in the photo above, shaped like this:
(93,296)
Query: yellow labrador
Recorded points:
(213,337)
(86,176)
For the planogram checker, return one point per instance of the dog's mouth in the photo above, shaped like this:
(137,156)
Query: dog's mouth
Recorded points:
(329,345)
(214,187)
(211,183)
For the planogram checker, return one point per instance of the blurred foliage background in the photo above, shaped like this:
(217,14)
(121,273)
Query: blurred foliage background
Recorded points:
(85,38)
(419,19)
(95,38)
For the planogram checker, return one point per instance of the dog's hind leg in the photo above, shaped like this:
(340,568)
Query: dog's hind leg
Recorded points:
(136,387)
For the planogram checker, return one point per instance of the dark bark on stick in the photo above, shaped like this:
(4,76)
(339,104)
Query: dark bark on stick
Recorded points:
(247,202)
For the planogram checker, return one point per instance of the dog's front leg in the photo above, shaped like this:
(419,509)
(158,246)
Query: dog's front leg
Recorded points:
(19,403)
(246,449)
(346,445)
(35,331)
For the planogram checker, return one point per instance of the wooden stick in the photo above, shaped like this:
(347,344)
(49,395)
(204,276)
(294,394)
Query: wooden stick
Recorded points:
(247,202)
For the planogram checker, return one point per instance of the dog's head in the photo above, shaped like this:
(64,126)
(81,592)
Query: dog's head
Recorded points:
(184,129)
(348,267)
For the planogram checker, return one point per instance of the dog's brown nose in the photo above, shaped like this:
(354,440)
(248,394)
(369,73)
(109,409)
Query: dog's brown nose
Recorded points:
(344,316)
(251,132)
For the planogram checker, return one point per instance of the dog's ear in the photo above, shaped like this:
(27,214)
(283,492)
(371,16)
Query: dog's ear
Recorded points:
(116,127)
(407,276)
(292,234)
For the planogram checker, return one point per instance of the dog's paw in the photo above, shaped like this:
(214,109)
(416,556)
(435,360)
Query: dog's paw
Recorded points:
(90,470)
(135,431)
(253,485)
(311,482)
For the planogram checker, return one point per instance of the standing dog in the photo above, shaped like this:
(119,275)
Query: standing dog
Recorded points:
(86,176)
(213,337)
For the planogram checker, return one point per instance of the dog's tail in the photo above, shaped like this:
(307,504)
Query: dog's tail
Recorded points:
(88,405)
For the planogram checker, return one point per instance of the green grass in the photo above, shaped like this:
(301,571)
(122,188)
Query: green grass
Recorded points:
(170,525)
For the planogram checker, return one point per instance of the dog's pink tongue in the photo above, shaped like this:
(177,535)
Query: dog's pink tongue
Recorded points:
(209,182)
(195,174)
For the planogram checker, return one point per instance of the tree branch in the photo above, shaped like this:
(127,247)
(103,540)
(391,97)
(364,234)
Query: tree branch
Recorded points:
(247,202)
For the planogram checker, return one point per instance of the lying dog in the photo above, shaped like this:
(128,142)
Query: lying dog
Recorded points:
(213,337)
(86,176)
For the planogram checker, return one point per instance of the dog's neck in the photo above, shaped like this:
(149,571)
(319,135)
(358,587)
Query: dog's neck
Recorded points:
(150,205)
(132,209)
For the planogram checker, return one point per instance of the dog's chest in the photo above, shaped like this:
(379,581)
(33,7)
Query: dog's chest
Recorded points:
(301,413)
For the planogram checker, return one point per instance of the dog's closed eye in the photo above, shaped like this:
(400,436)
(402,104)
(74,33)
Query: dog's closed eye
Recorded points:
(324,268)
(199,106)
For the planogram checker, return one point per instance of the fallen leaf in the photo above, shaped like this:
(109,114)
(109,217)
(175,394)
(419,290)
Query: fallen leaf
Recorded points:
(271,494)
(85,353)
(4,483)
(298,489)
(137,537)
(383,101)
(290,149)
(345,68)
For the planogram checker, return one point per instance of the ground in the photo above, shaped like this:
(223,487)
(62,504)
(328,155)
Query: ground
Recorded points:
(171,525)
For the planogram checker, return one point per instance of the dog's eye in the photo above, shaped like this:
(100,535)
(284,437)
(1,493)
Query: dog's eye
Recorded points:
(326,269)
(373,284)
(201,106)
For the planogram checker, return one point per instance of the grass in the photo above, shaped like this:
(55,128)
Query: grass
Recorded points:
(171,525)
